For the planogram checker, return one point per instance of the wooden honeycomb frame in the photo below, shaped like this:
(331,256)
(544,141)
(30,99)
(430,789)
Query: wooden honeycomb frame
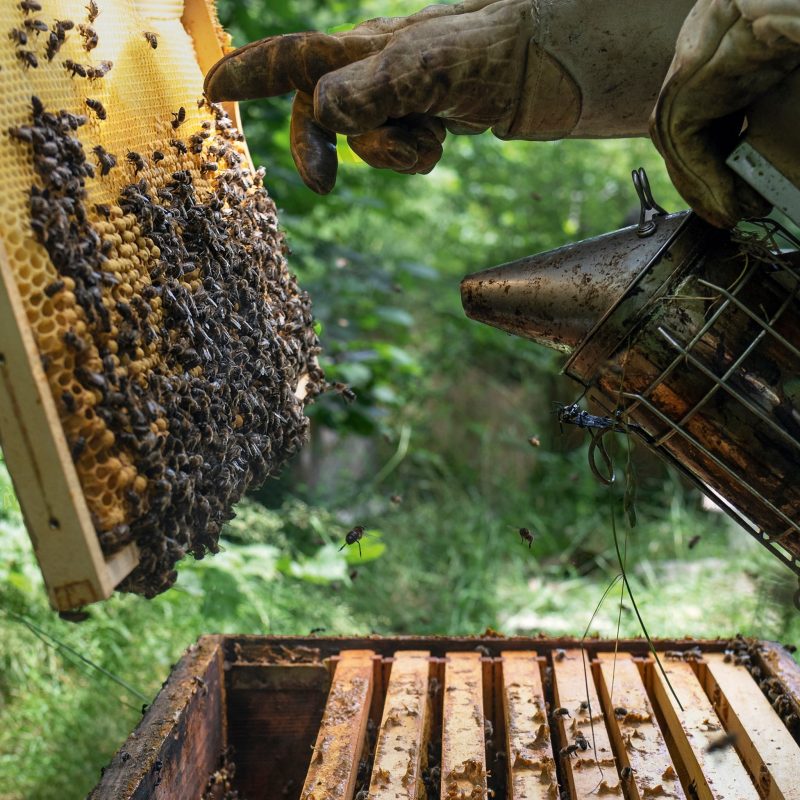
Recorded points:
(34,444)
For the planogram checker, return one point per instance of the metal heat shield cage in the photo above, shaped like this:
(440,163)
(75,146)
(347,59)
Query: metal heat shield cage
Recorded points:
(703,352)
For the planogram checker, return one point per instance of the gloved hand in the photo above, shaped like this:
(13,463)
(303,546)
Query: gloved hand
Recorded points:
(527,69)
(729,53)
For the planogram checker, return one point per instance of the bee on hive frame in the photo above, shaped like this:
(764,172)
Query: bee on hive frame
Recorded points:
(152,39)
(28,6)
(97,107)
(28,58)
(179,118)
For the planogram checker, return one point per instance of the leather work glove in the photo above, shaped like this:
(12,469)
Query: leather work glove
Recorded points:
(729,53)
(527,69)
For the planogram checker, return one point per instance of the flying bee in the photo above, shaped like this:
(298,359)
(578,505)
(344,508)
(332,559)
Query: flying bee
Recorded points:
(354,536)
(152,39)
(561,712)
(179,118)
(137,161)
(534,441)
(28,58)
(89,36)
(75,68)
(18,36)
(97,107)
(92,11)
(525,535)
(178,145)
(694,540)
(721,742)
(28,6)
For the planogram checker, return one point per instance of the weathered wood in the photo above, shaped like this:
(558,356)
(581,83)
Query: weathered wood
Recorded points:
(179,742)
(334,762)
(762,740)
(531,767)
(401,749)
(463,748)
(587,771)
(714,775)
(39,461)
(635,735)
(273,713)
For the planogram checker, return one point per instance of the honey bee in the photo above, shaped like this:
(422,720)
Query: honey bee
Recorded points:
(721,742)
(561,712)
(179,118)
(526,535)
(97,107)
(568,751)
(28,6)
(36,26)
(178,145)
(152,39)
(137,161)
(208,166)
(53,288)
(620,712)
(100,71)
(75,68)
(89,36)
(354,536)
(693,541)
(105,159)
(92,11)
(18,36)
(157,156)
(28,58)
(625,773)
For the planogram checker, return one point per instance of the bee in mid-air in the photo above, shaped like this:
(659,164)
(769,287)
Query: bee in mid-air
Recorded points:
(354,536)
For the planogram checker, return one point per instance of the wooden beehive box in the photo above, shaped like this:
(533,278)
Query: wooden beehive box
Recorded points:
(334,719)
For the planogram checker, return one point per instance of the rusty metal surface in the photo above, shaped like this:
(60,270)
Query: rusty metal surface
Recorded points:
(463,749)
(334,761)
(636,735)
(531,766)
(401,749)
(718,775)
(765,745)
(587,771)
(181,737)
(556,298)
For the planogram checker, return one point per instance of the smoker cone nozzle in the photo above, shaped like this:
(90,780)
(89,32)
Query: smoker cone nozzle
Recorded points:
(556,298)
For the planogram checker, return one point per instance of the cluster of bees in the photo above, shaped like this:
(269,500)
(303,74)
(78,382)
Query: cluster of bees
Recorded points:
(745,653)
(184,335)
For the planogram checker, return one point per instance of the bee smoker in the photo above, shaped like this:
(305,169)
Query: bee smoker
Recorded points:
(690,334)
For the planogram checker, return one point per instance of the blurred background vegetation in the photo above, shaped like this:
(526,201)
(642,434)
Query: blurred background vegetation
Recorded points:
(433,456)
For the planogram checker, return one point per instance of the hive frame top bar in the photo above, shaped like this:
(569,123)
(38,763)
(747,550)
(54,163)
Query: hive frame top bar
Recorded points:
(34,444)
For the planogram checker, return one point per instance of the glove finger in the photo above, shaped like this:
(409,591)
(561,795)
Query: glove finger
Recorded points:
(410,145)
(279,64)
(770,29)
(313,147)
(434,68)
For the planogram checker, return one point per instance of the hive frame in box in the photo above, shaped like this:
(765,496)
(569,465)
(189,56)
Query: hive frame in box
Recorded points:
(262,696)
(34,445)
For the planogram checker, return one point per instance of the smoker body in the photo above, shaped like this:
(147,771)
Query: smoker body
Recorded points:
(700,349)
